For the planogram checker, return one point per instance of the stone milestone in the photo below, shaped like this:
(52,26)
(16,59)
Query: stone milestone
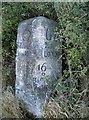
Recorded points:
(37,66)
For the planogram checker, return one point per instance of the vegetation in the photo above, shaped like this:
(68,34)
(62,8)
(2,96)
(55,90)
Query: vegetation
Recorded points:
(72,98)
(12,107)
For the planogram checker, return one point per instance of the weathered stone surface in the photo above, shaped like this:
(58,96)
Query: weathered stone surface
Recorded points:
(37,66)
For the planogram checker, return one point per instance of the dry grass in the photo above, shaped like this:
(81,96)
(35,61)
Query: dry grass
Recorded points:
(60,107)
(11,105)
(53,110)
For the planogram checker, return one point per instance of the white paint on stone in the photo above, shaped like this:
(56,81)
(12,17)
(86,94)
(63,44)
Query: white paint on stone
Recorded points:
(21,50)
(37,68)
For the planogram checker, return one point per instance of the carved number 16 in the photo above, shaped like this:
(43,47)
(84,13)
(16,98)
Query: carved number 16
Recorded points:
(42,67)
